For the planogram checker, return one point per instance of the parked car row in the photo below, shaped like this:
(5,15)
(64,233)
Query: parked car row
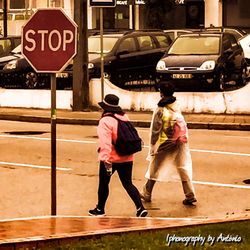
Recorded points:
(206,59)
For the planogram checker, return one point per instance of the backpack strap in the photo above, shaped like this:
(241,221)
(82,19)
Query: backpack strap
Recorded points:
(111,115)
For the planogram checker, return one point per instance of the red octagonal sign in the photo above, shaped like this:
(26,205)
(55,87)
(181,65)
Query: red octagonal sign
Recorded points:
(49,40)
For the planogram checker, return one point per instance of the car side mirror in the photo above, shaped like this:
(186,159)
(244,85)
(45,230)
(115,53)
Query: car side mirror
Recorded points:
(123,52)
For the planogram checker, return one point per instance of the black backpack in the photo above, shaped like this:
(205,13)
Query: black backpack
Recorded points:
(128,141)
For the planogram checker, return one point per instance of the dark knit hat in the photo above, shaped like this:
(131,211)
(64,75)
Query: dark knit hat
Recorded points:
(167,88)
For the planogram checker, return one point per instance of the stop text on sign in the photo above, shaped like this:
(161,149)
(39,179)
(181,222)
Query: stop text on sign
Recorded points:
(54,39)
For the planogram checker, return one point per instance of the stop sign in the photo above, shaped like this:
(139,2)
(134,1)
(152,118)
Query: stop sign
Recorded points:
(49,40)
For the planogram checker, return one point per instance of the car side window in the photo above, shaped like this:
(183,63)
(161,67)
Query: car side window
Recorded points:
(226,43)
(229,42)
(5,47)
(171,35)
(17,41)
(234,32)
(164,41)
(234,43)
(127,45)
(146,43)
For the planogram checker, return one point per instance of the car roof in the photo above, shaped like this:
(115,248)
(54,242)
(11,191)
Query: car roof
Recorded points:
(116,35)
(203,33)
(185,30)
(242,31)
(131,33)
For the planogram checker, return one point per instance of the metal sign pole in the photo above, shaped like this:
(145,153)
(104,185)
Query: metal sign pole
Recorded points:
(53,143)
(102,4)
(102,59)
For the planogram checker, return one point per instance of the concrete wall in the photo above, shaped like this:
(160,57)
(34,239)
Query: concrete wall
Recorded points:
(27,98)
(231,102)
(213,13)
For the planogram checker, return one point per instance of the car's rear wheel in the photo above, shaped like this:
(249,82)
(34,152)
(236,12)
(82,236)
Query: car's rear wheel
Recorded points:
(31,80)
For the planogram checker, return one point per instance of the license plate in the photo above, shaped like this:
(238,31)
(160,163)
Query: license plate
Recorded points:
(182,76)
(62,75)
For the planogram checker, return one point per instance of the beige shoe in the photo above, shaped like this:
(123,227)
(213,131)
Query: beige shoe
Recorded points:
(145,195)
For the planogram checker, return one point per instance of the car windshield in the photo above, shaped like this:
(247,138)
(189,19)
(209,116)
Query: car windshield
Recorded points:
(205,45)
(94,45)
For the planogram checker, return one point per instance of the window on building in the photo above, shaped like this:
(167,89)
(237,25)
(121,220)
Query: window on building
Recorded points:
(20,4)
(113,18)
(57,3)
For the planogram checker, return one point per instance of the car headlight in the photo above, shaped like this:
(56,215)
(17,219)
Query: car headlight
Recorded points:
(161,65)
(10,65)
(208,65)
(91,65)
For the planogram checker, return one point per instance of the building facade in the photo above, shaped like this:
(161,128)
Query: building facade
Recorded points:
(135,14)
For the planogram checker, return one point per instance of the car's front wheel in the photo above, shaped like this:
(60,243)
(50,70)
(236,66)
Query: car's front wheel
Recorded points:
(222,81)
(242,81)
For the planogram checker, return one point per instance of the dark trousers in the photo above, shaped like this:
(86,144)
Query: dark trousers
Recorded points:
(124,171)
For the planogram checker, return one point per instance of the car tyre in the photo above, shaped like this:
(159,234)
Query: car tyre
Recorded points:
(222,81)
(243,76)
(31,80)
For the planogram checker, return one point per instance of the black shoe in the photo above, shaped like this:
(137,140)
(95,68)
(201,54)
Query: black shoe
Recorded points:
(141,212)
(96,212)
(189,202)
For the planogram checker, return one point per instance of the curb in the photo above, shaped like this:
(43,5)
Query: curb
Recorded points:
(219,126)
(141,124)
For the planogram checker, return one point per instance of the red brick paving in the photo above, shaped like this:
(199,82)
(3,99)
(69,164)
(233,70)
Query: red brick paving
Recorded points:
(33,231)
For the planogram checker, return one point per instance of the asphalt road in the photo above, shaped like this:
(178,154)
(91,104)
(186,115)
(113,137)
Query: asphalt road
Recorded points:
(220,164)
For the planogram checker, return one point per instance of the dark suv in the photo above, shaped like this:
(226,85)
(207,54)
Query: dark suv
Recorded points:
(204,59)
(130,58)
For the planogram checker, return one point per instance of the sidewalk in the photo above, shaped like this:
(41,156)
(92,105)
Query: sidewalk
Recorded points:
(140,119)
(42,232)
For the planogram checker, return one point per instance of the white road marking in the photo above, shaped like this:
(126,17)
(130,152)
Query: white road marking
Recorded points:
(221,184)
(219,152)
(44,138)
(31,166)
(145,146)
(238,137)
(214,152)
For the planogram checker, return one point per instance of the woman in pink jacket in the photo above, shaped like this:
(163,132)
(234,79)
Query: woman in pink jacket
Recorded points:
(111,161)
